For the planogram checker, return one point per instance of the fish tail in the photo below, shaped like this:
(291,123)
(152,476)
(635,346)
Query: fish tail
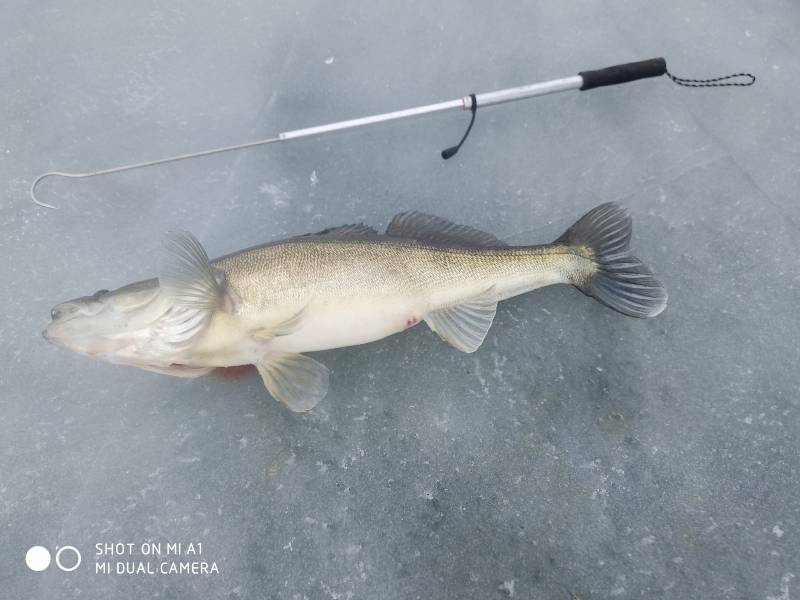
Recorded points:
(613,276)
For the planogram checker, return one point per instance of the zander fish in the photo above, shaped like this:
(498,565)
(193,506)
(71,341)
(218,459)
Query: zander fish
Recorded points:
(340,287)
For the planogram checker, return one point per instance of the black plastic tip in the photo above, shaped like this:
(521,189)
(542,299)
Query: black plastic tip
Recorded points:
(449,152)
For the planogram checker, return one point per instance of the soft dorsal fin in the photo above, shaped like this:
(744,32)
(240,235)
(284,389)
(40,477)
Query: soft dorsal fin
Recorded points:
(354,231)
(464,326)
(187,276)
(429,228)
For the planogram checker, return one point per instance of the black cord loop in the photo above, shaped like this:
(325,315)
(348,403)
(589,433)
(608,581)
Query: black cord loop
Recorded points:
(716,81)
(451,152)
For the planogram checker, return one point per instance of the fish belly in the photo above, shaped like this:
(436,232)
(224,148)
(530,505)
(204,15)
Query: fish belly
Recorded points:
(338,324)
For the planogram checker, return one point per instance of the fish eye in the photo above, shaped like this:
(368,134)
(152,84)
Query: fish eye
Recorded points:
(64,309)
(99,294)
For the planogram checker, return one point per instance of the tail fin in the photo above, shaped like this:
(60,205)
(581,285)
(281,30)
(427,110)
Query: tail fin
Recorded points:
(618,280)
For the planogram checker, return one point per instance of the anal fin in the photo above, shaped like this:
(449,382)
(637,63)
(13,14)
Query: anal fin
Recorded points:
(298,381)
(464,326)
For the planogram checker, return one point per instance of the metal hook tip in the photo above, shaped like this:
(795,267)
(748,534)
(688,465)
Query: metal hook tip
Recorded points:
(33,190)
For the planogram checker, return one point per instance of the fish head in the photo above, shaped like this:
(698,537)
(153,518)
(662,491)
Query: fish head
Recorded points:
(117,326)
(153,324)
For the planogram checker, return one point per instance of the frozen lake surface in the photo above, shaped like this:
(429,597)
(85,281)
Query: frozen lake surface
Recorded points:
(578,454)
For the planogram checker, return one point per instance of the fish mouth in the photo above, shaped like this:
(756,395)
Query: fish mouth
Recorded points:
(55,334)
(47,337)
(51,333)
(61,315)
(72,328)
(88,344)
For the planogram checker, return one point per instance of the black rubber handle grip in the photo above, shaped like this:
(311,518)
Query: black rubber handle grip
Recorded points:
(653,67)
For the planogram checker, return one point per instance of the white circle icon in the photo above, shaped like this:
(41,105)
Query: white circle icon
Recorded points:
(58,558)
(37,558)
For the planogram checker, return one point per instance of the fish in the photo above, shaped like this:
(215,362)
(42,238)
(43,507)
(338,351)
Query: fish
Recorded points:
(271,304)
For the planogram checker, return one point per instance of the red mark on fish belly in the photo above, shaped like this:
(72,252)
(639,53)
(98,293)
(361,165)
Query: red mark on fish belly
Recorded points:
(233,372)
(411,321)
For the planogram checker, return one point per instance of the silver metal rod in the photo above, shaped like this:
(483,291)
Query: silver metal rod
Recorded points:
(382,118)
(529,91)
(485,99)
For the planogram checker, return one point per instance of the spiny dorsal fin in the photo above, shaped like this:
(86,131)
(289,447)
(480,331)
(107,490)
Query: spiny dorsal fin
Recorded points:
(354,231)
(429,228)
(464,326)
(187,276)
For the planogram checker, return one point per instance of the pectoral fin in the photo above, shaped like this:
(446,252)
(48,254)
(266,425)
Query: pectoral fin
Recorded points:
(464,326)
(298,381)
(187,276)
(283,328)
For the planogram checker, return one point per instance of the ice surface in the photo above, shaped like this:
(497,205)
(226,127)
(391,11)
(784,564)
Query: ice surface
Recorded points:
(577,453)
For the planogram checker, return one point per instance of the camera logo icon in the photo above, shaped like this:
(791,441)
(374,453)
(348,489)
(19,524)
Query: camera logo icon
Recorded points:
(68,558)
